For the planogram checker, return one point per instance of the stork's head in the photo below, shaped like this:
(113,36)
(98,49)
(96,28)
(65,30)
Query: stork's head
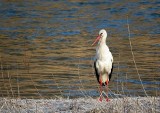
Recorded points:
(101,36)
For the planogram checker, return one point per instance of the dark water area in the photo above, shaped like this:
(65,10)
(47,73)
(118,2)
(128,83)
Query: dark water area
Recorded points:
(45,47)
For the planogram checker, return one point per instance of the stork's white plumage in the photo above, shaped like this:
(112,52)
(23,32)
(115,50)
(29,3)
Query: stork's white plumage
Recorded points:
(103,63)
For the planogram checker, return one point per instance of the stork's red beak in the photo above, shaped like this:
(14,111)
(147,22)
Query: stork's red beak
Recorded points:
(97,39)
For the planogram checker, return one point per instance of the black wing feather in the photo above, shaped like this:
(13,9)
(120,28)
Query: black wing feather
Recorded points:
(96,71)
(110,75)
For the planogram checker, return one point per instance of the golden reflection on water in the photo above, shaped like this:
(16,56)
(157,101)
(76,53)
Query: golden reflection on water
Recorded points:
(31,68)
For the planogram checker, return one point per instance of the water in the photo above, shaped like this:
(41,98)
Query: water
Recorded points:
(45,47)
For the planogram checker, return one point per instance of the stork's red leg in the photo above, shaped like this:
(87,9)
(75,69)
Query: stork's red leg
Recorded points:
(107,99)
(100,98)
(100,80)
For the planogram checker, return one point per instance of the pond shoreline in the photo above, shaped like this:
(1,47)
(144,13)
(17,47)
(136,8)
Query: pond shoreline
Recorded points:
(82,105)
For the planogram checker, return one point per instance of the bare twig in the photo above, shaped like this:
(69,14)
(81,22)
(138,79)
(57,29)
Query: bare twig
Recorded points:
(133,57)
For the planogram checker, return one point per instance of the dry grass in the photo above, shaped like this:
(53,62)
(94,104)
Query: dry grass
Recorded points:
(81,105)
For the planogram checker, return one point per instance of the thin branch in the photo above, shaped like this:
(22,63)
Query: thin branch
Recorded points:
(129,36)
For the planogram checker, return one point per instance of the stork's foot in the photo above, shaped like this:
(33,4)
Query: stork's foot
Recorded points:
(100,99)
(107,99)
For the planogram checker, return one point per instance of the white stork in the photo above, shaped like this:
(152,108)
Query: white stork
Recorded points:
(103,63)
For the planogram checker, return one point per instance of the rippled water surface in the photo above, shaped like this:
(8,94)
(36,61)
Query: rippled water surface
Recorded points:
(45,47)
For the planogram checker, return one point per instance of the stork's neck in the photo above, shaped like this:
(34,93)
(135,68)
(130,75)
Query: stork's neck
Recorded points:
(102,41)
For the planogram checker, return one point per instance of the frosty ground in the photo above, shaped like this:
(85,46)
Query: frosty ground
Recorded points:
(81,105)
